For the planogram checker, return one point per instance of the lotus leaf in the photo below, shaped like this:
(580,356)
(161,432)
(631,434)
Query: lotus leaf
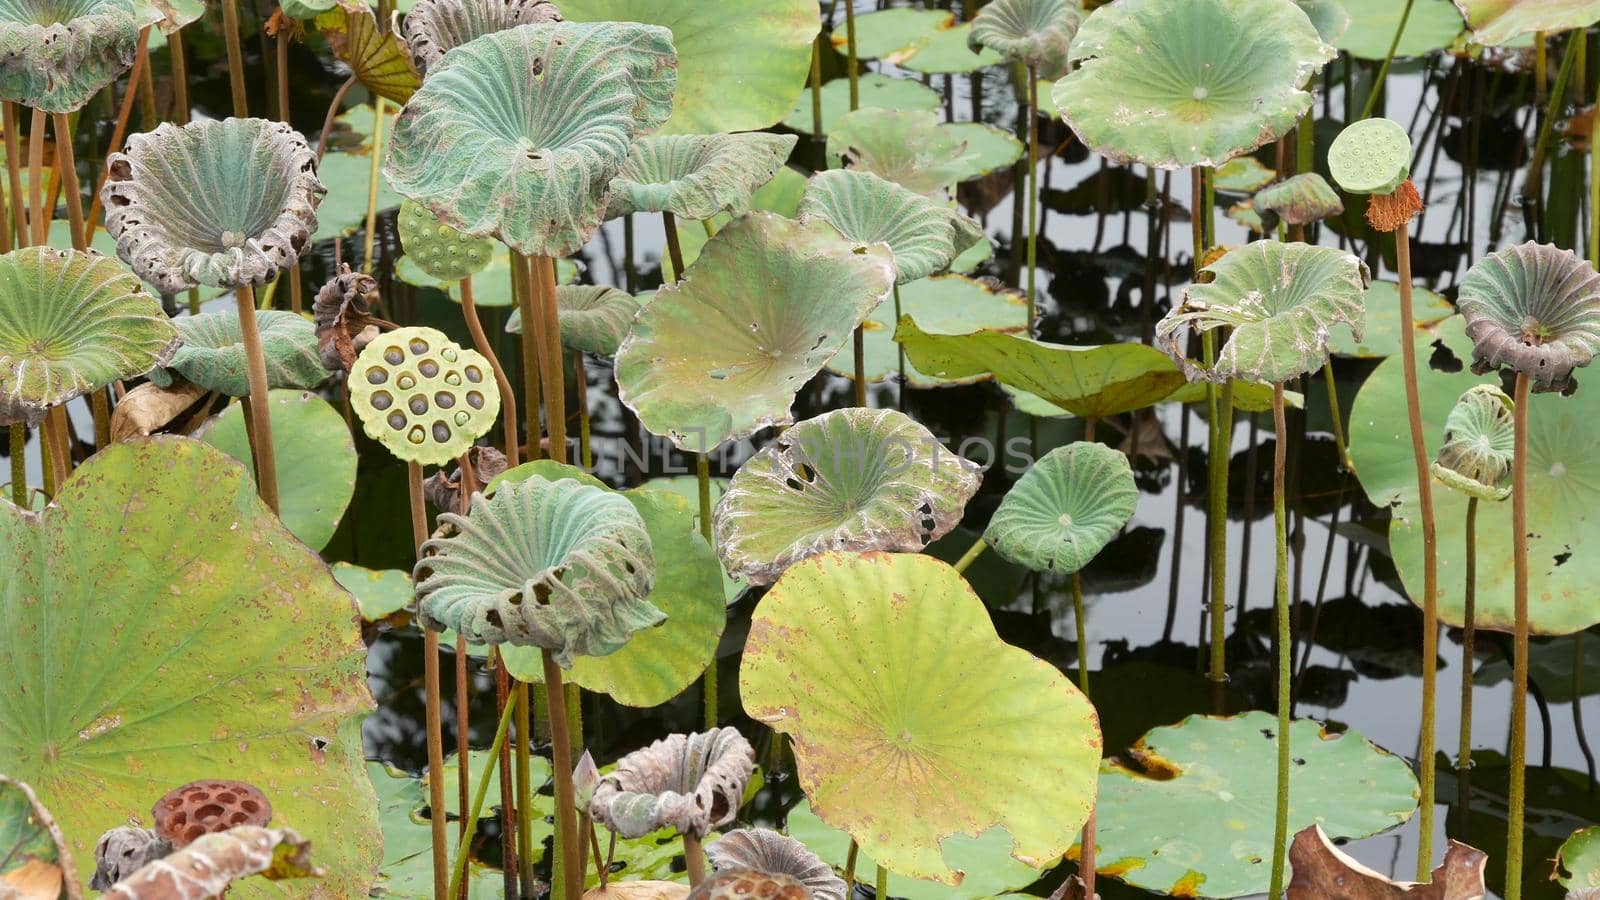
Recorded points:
(433,28)
(35,846)
(1432,25)
(376,55)
(407,870)
(891,34)
(305,9)
(776,854)
(949,51)
(1328,17)
(72,323)
(1300,200)
(55,55)
(904,706)
(1498,22)
(1534,308)
(1551,663)
(943,304)
(1478,441)
(378,593)
(925,236)
(1036,33)
(343,210)
(1323,870)
(490,155)
(212,352)
(1381,335)
(475,765)
(436,248)
(1147,91)
(558,565)
(1372,156)
(594,318)
(989,149)
(422,396)
(1279,300)
(1242,175)
(696,176)
(1578,862)
(1065,508)
(169,15)
(907,147)
(1187,811)
(688,488)
(768,44)
(851,479)
(310,439)
(691,782)
(874,92)
(721,354)
(230,649)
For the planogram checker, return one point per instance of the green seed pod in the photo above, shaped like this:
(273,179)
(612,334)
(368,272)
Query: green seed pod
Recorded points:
(438,249)
(1372,156)
(423,397)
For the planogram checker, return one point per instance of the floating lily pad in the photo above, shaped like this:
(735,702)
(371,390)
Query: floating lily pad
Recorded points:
(696,176)
(904,706)
(212,352)
(1065,508)
(343,211)
(1300,200)
(379,592)
(1578,862)
(1036,33)
(892,34)
(925,236)
(875,92)
(407,869)
(476,760)
(907,147)
(989,149)
(1372,156)
(56,56)
(1534,308)
(230,649)
(1433,25)
(949,51)
(721,354)
(1479,444)
(1242,175)
(1495,23)
(1381,336)
(432,28)
(594,318)
(1188,811)
(1551,662)
(941,305)
(422,396)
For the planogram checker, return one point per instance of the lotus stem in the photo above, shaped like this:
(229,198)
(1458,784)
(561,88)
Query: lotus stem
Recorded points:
(524,789)
(281,67)
(67,164)
(816,90)
(1541,67)
(373,170)
(531,324)
(261,449)
(881,884)
(542,280)
(973,552)
(468,485)
(333,113)
(694,859)
(702,471)
(147,99)
(1087,852)
(1337,414)
(850,868)
(48,454)
(19,465)
(508,819)
(230,33)
(900,351)
(1469,633)
(585,451)
(180,78)
(100,406)
(1378,82)
(1594,196)
(859,385)
(851,62)
(566,799)
(1082,624)
(469,824)
(38,218)
(674,249)
(1033,191)
(1516,795)
(124,111)
(14,178)
(430,683)
(480,342)
(600,862)
(1280,521)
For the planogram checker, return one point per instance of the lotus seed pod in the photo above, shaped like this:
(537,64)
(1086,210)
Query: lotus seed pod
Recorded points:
(1372,156)
(208,807)
(436,248)
(422,396)
(1478,444)
(748,884)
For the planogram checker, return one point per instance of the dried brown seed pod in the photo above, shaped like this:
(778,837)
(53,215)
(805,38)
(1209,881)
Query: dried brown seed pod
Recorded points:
(748,884)
(208,807)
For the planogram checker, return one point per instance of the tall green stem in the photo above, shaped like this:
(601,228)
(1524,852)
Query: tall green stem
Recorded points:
(19,465)
(430,686)
(973,552)
(1516,795)
(531,324)
(1280,522)
(524,766)
(881,884)
(261,448)
(702,472)
(566,798)
(1469,633)
(851,64)
(470,824)
(1033,192)
(1388,59)
(230,35)
(1338,416)
(373,168)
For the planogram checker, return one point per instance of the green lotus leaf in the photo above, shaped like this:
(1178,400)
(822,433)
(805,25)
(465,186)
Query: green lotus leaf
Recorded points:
(1189,812)
(491,285)
(1551,664)
(943,305)
(305,9)
(378,593)
(925,236)
(594,318)
(558,565)
(57,54)
(722,353)
(657,663)
(688,487)
(229,649)
(212,352)
(904,706)
(1328,17)
(950,51)
(436,248)
(1280,302)
(768,851)
(1036,33)
(423,397)
(989,149)
(1243,175)
(1498,22)
(1381,336)
(1432,25)
(29,843)
(375,54)
(906,147)
(475,765)
(1562,470)
(519,134)
(252,220)
(1300,200)
(1578,862)
(1065,508)
(851,479)
(407,868)
(1372,156)
(875,91)
(1534,308)
(696,176)
(72,323)
(433,28)
(310,439)
(343,210)
(1146,92)
(1478,444)
(891,34)
(169,15)
(1089,382)
(689,782)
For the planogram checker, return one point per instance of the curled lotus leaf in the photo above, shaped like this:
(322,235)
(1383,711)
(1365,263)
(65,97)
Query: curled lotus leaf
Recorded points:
(1036,33)
(1478,444)
(924,235)
(1372,156)
(376,55)
(422,396)
(1279,300)
(1065,508)
(696,176)
(1146,91)
(518,135)
(691,782)
(1577,862)
(1534,308)
(209,866)
(764,850)
(342,312)
(439,250)
(851,479)
(558,565)
(72,323)
(1498,22)
(594,318)
(904,706)
(907,147)
(433,28)
(211,352)
(1300,200)
(722,353)
(218,203)
(170,15)
(56,54)
(1322,870)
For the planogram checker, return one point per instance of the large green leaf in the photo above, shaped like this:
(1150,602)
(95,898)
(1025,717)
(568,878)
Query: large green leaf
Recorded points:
(1534,308)
(1188,812)
(594,318)
(925,236)
(1578,863)
(212,352)
(433,28)
(741,65)
(892,34)
(722,353)
(950,50)
(1328,16)
(1176,83)
(519,135)
(696,176)
(688,487)
(943,304)
(1036,33)
(55,56)
(1381,336)
(905,707)
(422,396)
(1497,22)
(407,871)
(875,92)
(376,55)
(851,479)
(225,647)
(379,593)
(1065,508)
(1432,25)
(348,176)
(907,147)
(72,323)
(1479,444)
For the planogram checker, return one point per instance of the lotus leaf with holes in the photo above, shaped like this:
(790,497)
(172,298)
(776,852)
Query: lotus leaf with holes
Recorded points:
(907,147)
(1300,200)
(422,396)
(696,176)
(924,235)
(212,352)
(1065,508)
(433,28)
(439,250)
(1478,444)
(594,318)
(1036,33)
(55,55)
(1534,308)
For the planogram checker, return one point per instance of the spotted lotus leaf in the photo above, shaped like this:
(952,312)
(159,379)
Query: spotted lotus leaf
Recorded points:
(722,353)
(437,249)
(1065,508)
(1036,33)
(1534,308)
(558,565)
(594,318)
(1577,863)
(1300,200)
(56,54)
(1478,444)
(433,28)
(1147,90)
(1279,300)
(207,867)
(169,15)
(1498,22)
(375,54)
(906,147)
(851,479)
(764,850)
(1323,870)
(696,176)
(924,235)
(217,203)
(518,135)
(423,397)
(211,352)
(690,782)
(1372,156)
(71,323)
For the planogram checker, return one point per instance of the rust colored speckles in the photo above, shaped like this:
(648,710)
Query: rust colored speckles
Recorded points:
(1188,885)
